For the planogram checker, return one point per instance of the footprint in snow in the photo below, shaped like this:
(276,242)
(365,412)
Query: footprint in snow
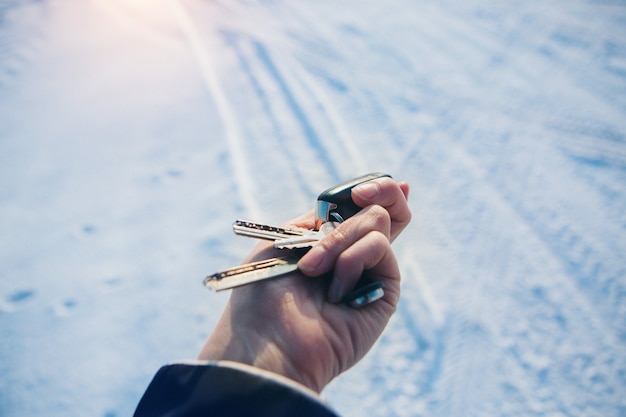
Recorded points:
(65,307)
(15,300)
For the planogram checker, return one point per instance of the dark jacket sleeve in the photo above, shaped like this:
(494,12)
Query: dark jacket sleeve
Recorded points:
(225,389)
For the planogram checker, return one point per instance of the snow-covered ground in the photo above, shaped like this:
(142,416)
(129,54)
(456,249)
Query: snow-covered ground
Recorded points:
(133,132)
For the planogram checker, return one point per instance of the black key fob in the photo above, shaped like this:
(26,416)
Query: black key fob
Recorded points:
(335,204)
(365,295)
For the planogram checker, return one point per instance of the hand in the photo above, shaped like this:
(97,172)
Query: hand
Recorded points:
(290,326)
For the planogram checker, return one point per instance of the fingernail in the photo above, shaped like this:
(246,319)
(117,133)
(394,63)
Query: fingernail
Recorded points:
(367,190)
(334,292)
(312,259)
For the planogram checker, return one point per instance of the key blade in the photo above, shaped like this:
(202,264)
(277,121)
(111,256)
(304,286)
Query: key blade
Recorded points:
(308,239)
(252,272)
(296,243)
(265,231)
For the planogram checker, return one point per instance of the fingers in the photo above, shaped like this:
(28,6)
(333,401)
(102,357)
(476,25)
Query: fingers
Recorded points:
(358,244)
(384,192)
(389,194)
(306,220)
(355,245)
(322,257)
(373,254)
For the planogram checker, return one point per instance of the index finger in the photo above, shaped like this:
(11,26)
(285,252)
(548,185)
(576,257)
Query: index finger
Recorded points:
(391,195)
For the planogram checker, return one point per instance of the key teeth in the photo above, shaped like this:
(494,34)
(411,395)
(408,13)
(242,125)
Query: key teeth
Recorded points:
(266,231)
(308,239)
(251,272)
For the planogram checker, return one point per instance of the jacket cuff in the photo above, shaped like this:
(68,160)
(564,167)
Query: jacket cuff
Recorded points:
(226,388)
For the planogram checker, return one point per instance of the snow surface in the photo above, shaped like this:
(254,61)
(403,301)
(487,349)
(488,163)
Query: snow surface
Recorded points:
(133,132)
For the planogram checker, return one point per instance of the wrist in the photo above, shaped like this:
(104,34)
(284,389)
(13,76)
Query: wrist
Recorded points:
(248,345)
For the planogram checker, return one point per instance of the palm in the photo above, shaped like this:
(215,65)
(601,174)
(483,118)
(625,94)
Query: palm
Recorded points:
(320,339)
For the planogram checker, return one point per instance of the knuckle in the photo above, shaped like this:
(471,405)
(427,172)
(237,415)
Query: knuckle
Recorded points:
(386,182)
(378,240)
(407,215)
(336,241)
(379,218)
(338,237)
(389,188)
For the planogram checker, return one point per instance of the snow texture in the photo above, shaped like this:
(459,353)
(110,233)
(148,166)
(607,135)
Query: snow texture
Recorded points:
(133,132)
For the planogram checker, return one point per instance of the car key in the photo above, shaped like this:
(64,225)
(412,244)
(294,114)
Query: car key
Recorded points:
(336,204)
(333,206)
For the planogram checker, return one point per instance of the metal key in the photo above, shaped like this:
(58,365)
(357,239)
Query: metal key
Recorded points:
(266,231)
(252,272)
(283,237)
(308,239)
(275,267)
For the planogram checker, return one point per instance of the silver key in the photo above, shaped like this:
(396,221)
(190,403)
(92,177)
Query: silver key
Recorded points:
(360,297)
(308,239)
(266,231)
(252,272)
(283,237)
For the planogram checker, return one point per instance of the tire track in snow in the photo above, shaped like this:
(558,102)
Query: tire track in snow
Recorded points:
(465,335)
(469,337)
(585,308)
(243,176)
(338,142)
(591,142)
(342,148)
(308,131)
(579,258)
(590,252)
(425,322)
(331,136)
(299,97)
(305,125)
(17,46)
(261,91)
(587,255)
(569,257)
(590,256)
